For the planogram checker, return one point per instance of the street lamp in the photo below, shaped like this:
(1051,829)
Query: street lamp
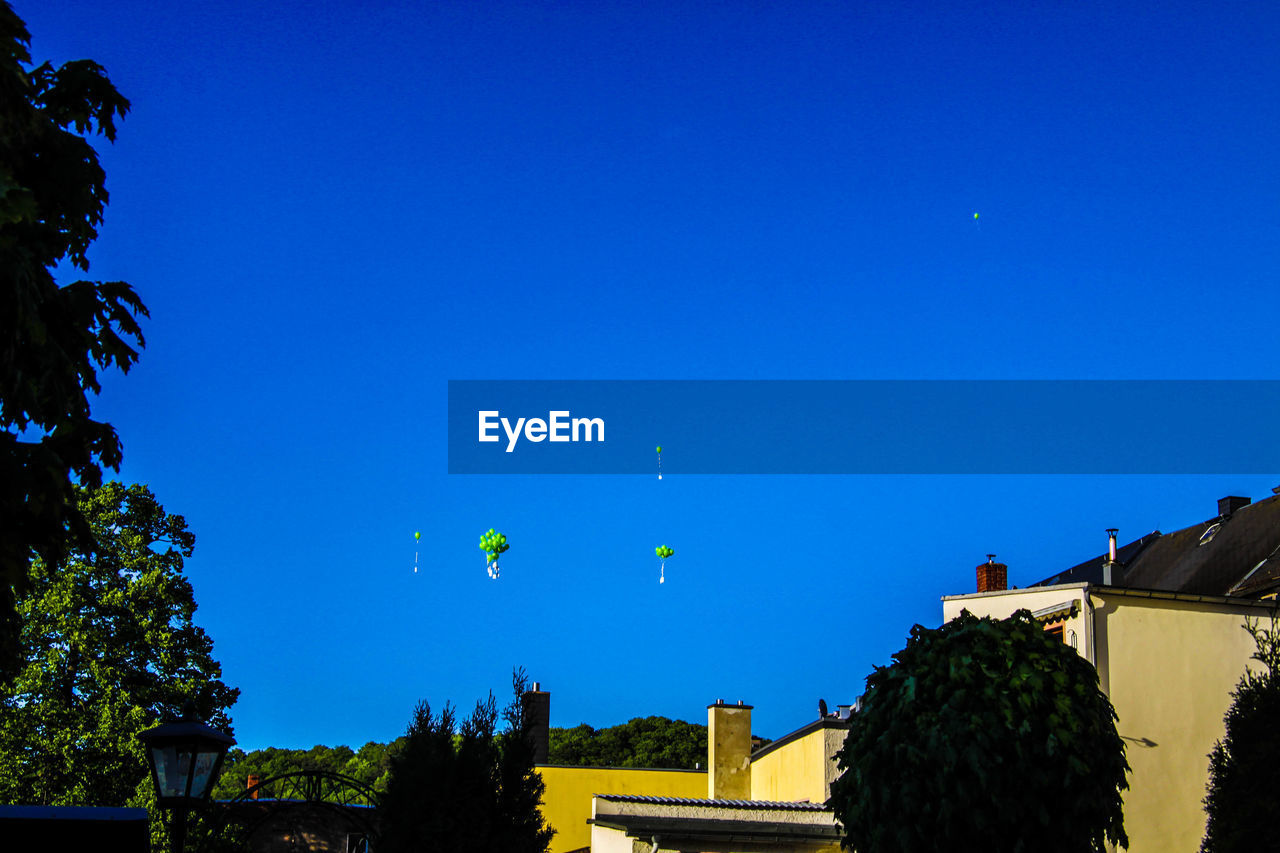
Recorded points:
(185,758)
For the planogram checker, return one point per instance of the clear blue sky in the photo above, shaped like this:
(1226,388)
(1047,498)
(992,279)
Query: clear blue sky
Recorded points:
(332,208)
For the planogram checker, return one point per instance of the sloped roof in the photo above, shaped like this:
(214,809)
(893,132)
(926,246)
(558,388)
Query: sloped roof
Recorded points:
(799,806)
(1241,557)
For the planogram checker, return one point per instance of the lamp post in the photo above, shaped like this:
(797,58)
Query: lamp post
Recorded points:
(185,758)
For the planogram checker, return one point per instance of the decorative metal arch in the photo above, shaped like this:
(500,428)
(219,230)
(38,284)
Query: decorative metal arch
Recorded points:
(299,791)
(312,786)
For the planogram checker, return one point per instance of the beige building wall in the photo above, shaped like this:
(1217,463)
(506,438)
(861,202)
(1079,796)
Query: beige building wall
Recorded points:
(1170,667)
(1168,663)
(606,840)
(566,802)
(1001,605)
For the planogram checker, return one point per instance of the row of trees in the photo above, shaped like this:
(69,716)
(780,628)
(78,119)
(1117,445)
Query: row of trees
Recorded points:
(642,742)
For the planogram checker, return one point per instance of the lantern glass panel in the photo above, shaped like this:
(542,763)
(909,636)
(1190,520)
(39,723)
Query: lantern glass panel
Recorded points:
(201,778)
(172,768)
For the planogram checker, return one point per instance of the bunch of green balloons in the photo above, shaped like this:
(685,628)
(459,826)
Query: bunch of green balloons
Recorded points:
(493,543)
(663,551)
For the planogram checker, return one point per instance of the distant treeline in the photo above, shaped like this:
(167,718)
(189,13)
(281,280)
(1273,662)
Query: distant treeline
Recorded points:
(370,765)
(642,742)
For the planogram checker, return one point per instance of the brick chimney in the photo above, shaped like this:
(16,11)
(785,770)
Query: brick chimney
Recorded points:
(728,751)
(535,704)
(1231,503)
(250,782)
(992,576)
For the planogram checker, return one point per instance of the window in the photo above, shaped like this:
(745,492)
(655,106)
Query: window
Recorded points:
(1210,532)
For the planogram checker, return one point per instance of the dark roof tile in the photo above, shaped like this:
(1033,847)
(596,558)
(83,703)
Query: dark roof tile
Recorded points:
(1241,557)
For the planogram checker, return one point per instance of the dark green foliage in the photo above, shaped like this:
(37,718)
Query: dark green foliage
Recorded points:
(108,648)
(53,339)
(370,765)
(982,735)
(1244,767)
(466,788)
(641,742)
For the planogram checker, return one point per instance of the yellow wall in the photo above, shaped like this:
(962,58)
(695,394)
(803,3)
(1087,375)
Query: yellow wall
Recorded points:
(566,803)
(1171,667)
(799,770)
(729,752)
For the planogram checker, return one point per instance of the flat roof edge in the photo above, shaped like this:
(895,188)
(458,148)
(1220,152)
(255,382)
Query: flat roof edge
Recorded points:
(1131,592)
(997,592)
(605,767)
(806,729)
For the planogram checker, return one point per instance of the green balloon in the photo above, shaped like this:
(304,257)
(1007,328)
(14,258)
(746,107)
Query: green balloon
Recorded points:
(659,448)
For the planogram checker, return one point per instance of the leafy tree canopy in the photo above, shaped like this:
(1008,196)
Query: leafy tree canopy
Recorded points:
(53,339)
(370,765)
(641,742)
(1244,767)
(982,735)
(109,647)
(477,792)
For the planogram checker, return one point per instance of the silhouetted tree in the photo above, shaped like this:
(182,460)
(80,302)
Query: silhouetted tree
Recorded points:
(53,339)
(465,788)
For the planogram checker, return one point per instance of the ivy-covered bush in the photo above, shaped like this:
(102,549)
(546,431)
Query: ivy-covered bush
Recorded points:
(983,734)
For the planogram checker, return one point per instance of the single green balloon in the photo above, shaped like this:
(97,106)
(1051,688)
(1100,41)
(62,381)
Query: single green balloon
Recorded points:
(975,216)
(659,448)
(417,534)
